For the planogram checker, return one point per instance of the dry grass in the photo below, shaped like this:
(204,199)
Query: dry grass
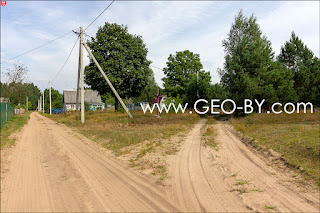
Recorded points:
(295,136)
(115,130)
(209,134)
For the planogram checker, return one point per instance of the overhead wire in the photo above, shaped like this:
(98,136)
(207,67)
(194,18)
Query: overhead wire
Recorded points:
(99,15)
(66,60)
(37,47)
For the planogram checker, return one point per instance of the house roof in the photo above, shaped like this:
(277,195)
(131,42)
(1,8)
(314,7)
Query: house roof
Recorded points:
(90,96)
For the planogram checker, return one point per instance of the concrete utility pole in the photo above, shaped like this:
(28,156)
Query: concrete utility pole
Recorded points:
(78,81)
(43,101)
(82,76)
(109,83)
(40,103)
(27,104)
(50,96)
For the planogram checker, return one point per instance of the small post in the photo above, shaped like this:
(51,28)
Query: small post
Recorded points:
(27,104)
(50,97)
(6,111)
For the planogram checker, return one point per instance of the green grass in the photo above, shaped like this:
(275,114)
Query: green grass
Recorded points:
(13,125)
(295,136)
(209,134)
(115,130)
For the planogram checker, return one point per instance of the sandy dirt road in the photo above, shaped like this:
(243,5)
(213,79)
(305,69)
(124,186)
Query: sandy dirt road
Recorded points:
(233,178)
(51,169)
(54,169)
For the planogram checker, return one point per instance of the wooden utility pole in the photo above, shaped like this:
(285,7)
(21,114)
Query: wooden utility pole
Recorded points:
(27,104)
(109,83)
(82,76)
(78,81)
(50,96)
(43,101)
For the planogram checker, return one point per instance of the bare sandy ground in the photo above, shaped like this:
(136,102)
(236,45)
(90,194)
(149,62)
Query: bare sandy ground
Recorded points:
(54,169)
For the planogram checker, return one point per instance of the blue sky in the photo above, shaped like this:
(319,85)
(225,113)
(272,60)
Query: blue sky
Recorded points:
(166,27)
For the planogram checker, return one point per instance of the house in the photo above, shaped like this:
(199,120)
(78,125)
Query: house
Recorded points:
(91,97)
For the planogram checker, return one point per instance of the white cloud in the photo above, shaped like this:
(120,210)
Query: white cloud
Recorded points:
(165,26)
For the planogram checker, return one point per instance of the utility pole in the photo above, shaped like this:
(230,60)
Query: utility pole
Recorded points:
(43,101)
(50,96)
(27,104)
(82,76)
(106,78)
(78,80)
(197,84)
(40,103)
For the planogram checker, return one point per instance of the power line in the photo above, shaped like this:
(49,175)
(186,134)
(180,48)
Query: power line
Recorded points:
(36,48)
(155,67)
(66,59)
(99,15)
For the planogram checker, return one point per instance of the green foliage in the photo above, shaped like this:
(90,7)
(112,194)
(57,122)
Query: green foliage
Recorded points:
(123,57)
(216,91)
(197,88)
(305,67)
(86,106)
(250,70)
(56,99)
(17,92)
(149,92)
(181,68)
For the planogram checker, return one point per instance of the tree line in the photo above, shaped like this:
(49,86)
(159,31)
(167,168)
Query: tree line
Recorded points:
(251,70)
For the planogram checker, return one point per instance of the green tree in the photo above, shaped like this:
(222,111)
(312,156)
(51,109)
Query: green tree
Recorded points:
(123,57)
(248,56)
(181,68)
(197,88)
(297,57)
(149,92)
(56,99)
(249,69)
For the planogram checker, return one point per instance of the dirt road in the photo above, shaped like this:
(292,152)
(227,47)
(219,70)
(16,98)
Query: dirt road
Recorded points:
(54,169)
(233,178)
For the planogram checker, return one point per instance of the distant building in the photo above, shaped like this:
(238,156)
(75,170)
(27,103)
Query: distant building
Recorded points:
(91,97)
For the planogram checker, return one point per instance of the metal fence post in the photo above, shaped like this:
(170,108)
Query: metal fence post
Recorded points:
(6,111)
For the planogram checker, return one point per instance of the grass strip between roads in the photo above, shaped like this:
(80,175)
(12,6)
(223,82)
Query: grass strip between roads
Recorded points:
(13,125)
(115,130)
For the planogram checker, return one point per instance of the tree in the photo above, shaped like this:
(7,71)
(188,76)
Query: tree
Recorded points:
(305,67)
(149,91)
(197,88)
(56,100)
(18,74)
(123,57)
(250,71)
(181,68)
(248,56)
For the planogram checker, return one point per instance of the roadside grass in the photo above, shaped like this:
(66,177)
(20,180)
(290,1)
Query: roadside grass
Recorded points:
(209,134)
(13,125)
(295,136)
(114,130)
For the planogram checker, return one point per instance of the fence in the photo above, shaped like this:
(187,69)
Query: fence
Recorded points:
(6,112)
